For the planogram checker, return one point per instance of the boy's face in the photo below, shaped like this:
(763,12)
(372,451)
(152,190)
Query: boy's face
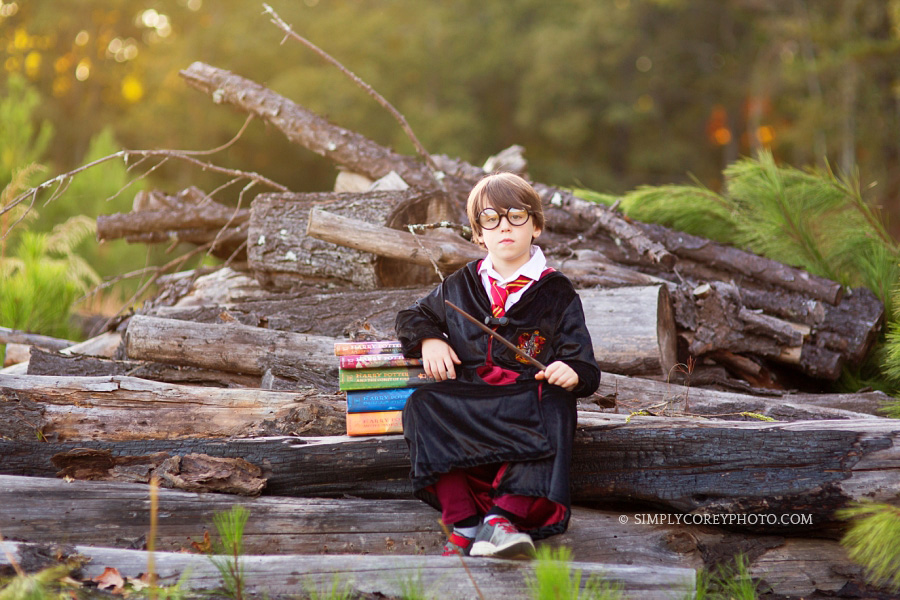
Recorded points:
(509,246)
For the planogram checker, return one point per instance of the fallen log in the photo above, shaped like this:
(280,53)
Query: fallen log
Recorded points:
(347,148)
(282,255)
(379,576)
(126,408)
(447,252)
(325,309)
(210,216)
(14,354)
(226,243)
(630,394)
(58,364)
(587,268)
(30,509)
(316,309)
(632,332)
(632,329)
(741,264)
(104,345)
(14,336)
(773,471)
(841,333)
(232,347)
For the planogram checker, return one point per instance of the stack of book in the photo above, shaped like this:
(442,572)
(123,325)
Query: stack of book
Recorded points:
(378,380)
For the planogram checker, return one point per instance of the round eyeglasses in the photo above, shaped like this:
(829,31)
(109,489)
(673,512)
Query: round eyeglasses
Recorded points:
(490,218)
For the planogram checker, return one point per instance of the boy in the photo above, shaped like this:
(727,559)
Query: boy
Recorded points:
(491,440)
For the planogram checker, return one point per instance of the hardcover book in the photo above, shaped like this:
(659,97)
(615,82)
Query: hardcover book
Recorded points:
(377,400)
(375,423)
(377,361)
(392,377)
(382,347)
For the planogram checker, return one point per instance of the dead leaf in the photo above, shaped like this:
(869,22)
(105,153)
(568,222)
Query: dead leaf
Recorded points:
(139,583)
(68,479)
(70,582)
(110,580)
(204,547)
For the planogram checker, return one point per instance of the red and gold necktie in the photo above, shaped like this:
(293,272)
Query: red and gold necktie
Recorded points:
(500,294)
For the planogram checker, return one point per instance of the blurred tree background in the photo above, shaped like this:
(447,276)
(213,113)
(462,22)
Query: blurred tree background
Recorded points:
(604,94)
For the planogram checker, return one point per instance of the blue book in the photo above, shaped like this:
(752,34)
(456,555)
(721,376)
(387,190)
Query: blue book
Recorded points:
(377,400)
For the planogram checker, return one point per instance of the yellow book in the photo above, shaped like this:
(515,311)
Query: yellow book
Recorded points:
(375,423)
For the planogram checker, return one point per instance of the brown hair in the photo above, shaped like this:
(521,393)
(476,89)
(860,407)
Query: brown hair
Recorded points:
(503,191)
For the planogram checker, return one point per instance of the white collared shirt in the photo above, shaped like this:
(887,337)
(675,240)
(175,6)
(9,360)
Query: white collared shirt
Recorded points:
(532,269)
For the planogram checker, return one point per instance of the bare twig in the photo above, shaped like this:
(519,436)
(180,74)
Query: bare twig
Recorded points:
(420,149)
(462,560)
(434,264)
(234,214)
(62,181)
(465,230)
(156,273)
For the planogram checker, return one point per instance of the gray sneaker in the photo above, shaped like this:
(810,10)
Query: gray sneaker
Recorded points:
(498,538)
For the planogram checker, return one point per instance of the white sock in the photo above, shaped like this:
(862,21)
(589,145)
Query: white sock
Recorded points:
(468,532)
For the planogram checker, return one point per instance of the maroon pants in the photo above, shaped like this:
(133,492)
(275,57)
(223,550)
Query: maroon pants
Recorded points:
(465,493)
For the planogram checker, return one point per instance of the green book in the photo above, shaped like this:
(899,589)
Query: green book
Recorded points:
(392,377)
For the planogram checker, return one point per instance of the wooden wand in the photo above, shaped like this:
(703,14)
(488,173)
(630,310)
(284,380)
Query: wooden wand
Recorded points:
(497,336)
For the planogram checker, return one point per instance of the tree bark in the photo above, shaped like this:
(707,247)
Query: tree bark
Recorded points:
(376,576)
(126,408)
(30,509)
(282,255)
(713,318)
(191,472)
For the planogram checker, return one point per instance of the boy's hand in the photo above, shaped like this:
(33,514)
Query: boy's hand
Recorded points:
(438,359)
(559,373)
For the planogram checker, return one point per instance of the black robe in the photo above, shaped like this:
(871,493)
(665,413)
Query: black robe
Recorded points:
(522,429)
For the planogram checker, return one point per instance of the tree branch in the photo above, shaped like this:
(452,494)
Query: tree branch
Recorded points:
(420,149)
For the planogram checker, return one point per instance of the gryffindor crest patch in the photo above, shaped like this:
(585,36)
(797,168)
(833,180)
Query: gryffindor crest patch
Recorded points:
(531,343)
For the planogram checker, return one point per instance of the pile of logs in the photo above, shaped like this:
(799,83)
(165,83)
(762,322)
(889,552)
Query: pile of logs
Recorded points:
(710,417)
